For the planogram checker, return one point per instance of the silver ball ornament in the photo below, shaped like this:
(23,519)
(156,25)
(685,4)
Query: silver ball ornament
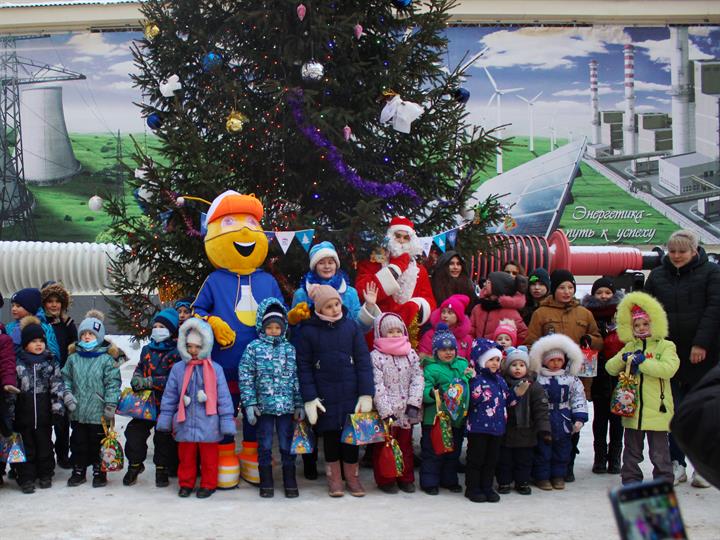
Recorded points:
(312,71)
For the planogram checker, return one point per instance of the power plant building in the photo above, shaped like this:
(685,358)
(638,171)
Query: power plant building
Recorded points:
(611,129)
(654,132)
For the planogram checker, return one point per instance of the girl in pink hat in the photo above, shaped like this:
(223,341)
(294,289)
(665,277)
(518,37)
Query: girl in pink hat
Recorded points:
(451,312)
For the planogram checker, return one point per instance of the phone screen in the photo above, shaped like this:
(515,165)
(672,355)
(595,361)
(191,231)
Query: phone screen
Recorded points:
(649,511)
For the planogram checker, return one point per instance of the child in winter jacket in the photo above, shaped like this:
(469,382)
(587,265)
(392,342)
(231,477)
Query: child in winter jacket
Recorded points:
(452,313)
(643,326)
(197,407)
(505,334)
(336,380)
(151,373)
(447,374)
(184,308)
(501,298)
(41,397)
(92,381)
(29,302)
(603,302)
(526,422)
(399,386)
(557,359)
(490,398)
(270,393)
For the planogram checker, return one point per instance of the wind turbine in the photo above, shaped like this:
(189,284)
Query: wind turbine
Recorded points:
(531,104)
(499,93)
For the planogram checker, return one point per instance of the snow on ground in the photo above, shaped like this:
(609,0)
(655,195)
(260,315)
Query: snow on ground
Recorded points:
(580,512)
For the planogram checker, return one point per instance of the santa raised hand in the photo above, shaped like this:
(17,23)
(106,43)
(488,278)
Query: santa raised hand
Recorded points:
(403,286)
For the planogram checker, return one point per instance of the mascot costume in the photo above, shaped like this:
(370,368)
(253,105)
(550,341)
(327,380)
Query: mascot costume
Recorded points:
(237,246)
(403,285)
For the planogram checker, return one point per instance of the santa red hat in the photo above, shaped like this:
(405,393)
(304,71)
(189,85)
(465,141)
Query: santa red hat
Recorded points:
(232,202)
(401,223)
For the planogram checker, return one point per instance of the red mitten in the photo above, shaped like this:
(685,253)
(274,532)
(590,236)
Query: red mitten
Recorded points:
(399,264)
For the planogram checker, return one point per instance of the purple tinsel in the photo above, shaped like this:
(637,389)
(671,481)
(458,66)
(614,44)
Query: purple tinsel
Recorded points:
(313,134)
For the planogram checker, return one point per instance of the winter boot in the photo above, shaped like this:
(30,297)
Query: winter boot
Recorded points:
(132,473)
(352,479)
(45,483)
(491,495)
(162,478)
(334,480)
(614,460)
(28,487)
(601,458)
(99,477)
(289,481)
(77,477)
(267,489)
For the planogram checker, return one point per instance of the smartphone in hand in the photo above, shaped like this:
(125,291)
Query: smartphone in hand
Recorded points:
(648,510)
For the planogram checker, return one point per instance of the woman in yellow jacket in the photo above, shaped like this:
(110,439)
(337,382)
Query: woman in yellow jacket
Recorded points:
(643,326)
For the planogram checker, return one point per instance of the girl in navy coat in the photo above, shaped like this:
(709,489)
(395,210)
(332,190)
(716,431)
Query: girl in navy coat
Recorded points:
(336,379)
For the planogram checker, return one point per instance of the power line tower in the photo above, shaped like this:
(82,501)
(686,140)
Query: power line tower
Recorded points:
(16,201)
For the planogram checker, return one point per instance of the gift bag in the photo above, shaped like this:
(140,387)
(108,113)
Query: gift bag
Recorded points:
(363,428)
(590,363)
(391,463)
(441,434)
(140,405)
(12,449)
(456,399)
(303,439)
(111,452)
(624,400)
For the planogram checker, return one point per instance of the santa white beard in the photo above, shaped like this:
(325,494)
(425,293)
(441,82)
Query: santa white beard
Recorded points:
(412,248)
(408,279)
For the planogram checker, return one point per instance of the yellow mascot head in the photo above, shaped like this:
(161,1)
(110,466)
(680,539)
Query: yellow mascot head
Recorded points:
(234,239)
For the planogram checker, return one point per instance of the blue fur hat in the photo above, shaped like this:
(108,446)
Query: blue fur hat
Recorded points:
(484,349)
(322,250)
(443,338)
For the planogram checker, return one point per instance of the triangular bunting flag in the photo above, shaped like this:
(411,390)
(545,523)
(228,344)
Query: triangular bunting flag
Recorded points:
(439,240)
(452,237)
(285,238)
(426,243)
(203,223)
(270,236)
(305,238)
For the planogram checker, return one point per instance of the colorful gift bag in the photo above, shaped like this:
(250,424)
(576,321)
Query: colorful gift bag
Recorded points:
(391,463)
(441,434)
(363,428)
(625,396)
(590,363)
(140,405)
(456,399)
(111,452)
(303,440)
(12,449)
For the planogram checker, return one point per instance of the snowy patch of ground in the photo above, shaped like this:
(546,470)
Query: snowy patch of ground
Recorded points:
(580,512)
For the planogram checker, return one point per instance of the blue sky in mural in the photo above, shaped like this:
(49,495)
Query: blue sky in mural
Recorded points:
(551,60)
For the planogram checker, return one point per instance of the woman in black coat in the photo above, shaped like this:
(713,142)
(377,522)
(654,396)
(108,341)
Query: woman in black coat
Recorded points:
(687,284)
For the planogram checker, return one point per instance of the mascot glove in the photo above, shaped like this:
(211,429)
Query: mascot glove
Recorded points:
(70,401)
(141,383)
(364,404)
(311,409)
(299,313)
(299,414)
(251,414)
(224,335)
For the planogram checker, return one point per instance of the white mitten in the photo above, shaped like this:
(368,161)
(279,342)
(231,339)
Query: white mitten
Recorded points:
(364,404)
(311,409)
(186,400)
(201,396)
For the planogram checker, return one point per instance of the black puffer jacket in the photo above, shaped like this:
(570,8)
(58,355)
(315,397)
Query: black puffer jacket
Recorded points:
(691,298)
(41,390)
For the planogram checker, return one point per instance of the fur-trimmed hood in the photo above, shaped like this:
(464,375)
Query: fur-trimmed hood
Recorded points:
(589,301)
(552,342)
(658,317)
(198,325)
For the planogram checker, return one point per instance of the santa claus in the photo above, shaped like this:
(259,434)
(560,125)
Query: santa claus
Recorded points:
(403,286)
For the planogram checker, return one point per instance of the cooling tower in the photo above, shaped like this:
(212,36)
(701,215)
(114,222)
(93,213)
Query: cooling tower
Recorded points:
(47,153)
(629,132)
(680,90)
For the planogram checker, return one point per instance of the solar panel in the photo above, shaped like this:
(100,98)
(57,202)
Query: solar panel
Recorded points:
(537,191)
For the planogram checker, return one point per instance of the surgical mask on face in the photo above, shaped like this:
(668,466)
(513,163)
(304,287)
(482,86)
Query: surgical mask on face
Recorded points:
(87,345)
(159,334)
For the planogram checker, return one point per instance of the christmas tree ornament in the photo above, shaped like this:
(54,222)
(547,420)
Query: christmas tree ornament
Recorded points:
(211,61)
(462,95)
(180,201)
(312,71)
(95,203)
(170,86)
(182,36)
(347,133)
(358,31)
(235,122)
(301,11)
(402,4)
(152,30)
(400,113)
(154,121)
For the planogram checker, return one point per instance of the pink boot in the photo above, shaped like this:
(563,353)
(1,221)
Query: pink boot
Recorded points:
(334,479)
(353,480)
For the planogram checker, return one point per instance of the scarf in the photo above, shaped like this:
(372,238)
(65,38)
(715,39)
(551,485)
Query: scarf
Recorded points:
(209,382)
(490,305)
(329,319)
(394,346)
(522,409)
(338,281)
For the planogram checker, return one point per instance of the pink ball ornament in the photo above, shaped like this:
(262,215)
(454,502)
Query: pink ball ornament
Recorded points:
(347,133)
(301,11)
(358,31)
(180,201)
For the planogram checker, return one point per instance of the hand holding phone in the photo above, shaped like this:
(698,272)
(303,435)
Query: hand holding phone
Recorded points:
(648,510)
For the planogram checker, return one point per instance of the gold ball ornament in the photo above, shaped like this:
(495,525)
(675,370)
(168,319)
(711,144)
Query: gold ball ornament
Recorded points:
(235,122)
(152,30)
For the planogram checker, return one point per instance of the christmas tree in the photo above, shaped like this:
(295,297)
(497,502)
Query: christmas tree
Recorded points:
(336,114)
